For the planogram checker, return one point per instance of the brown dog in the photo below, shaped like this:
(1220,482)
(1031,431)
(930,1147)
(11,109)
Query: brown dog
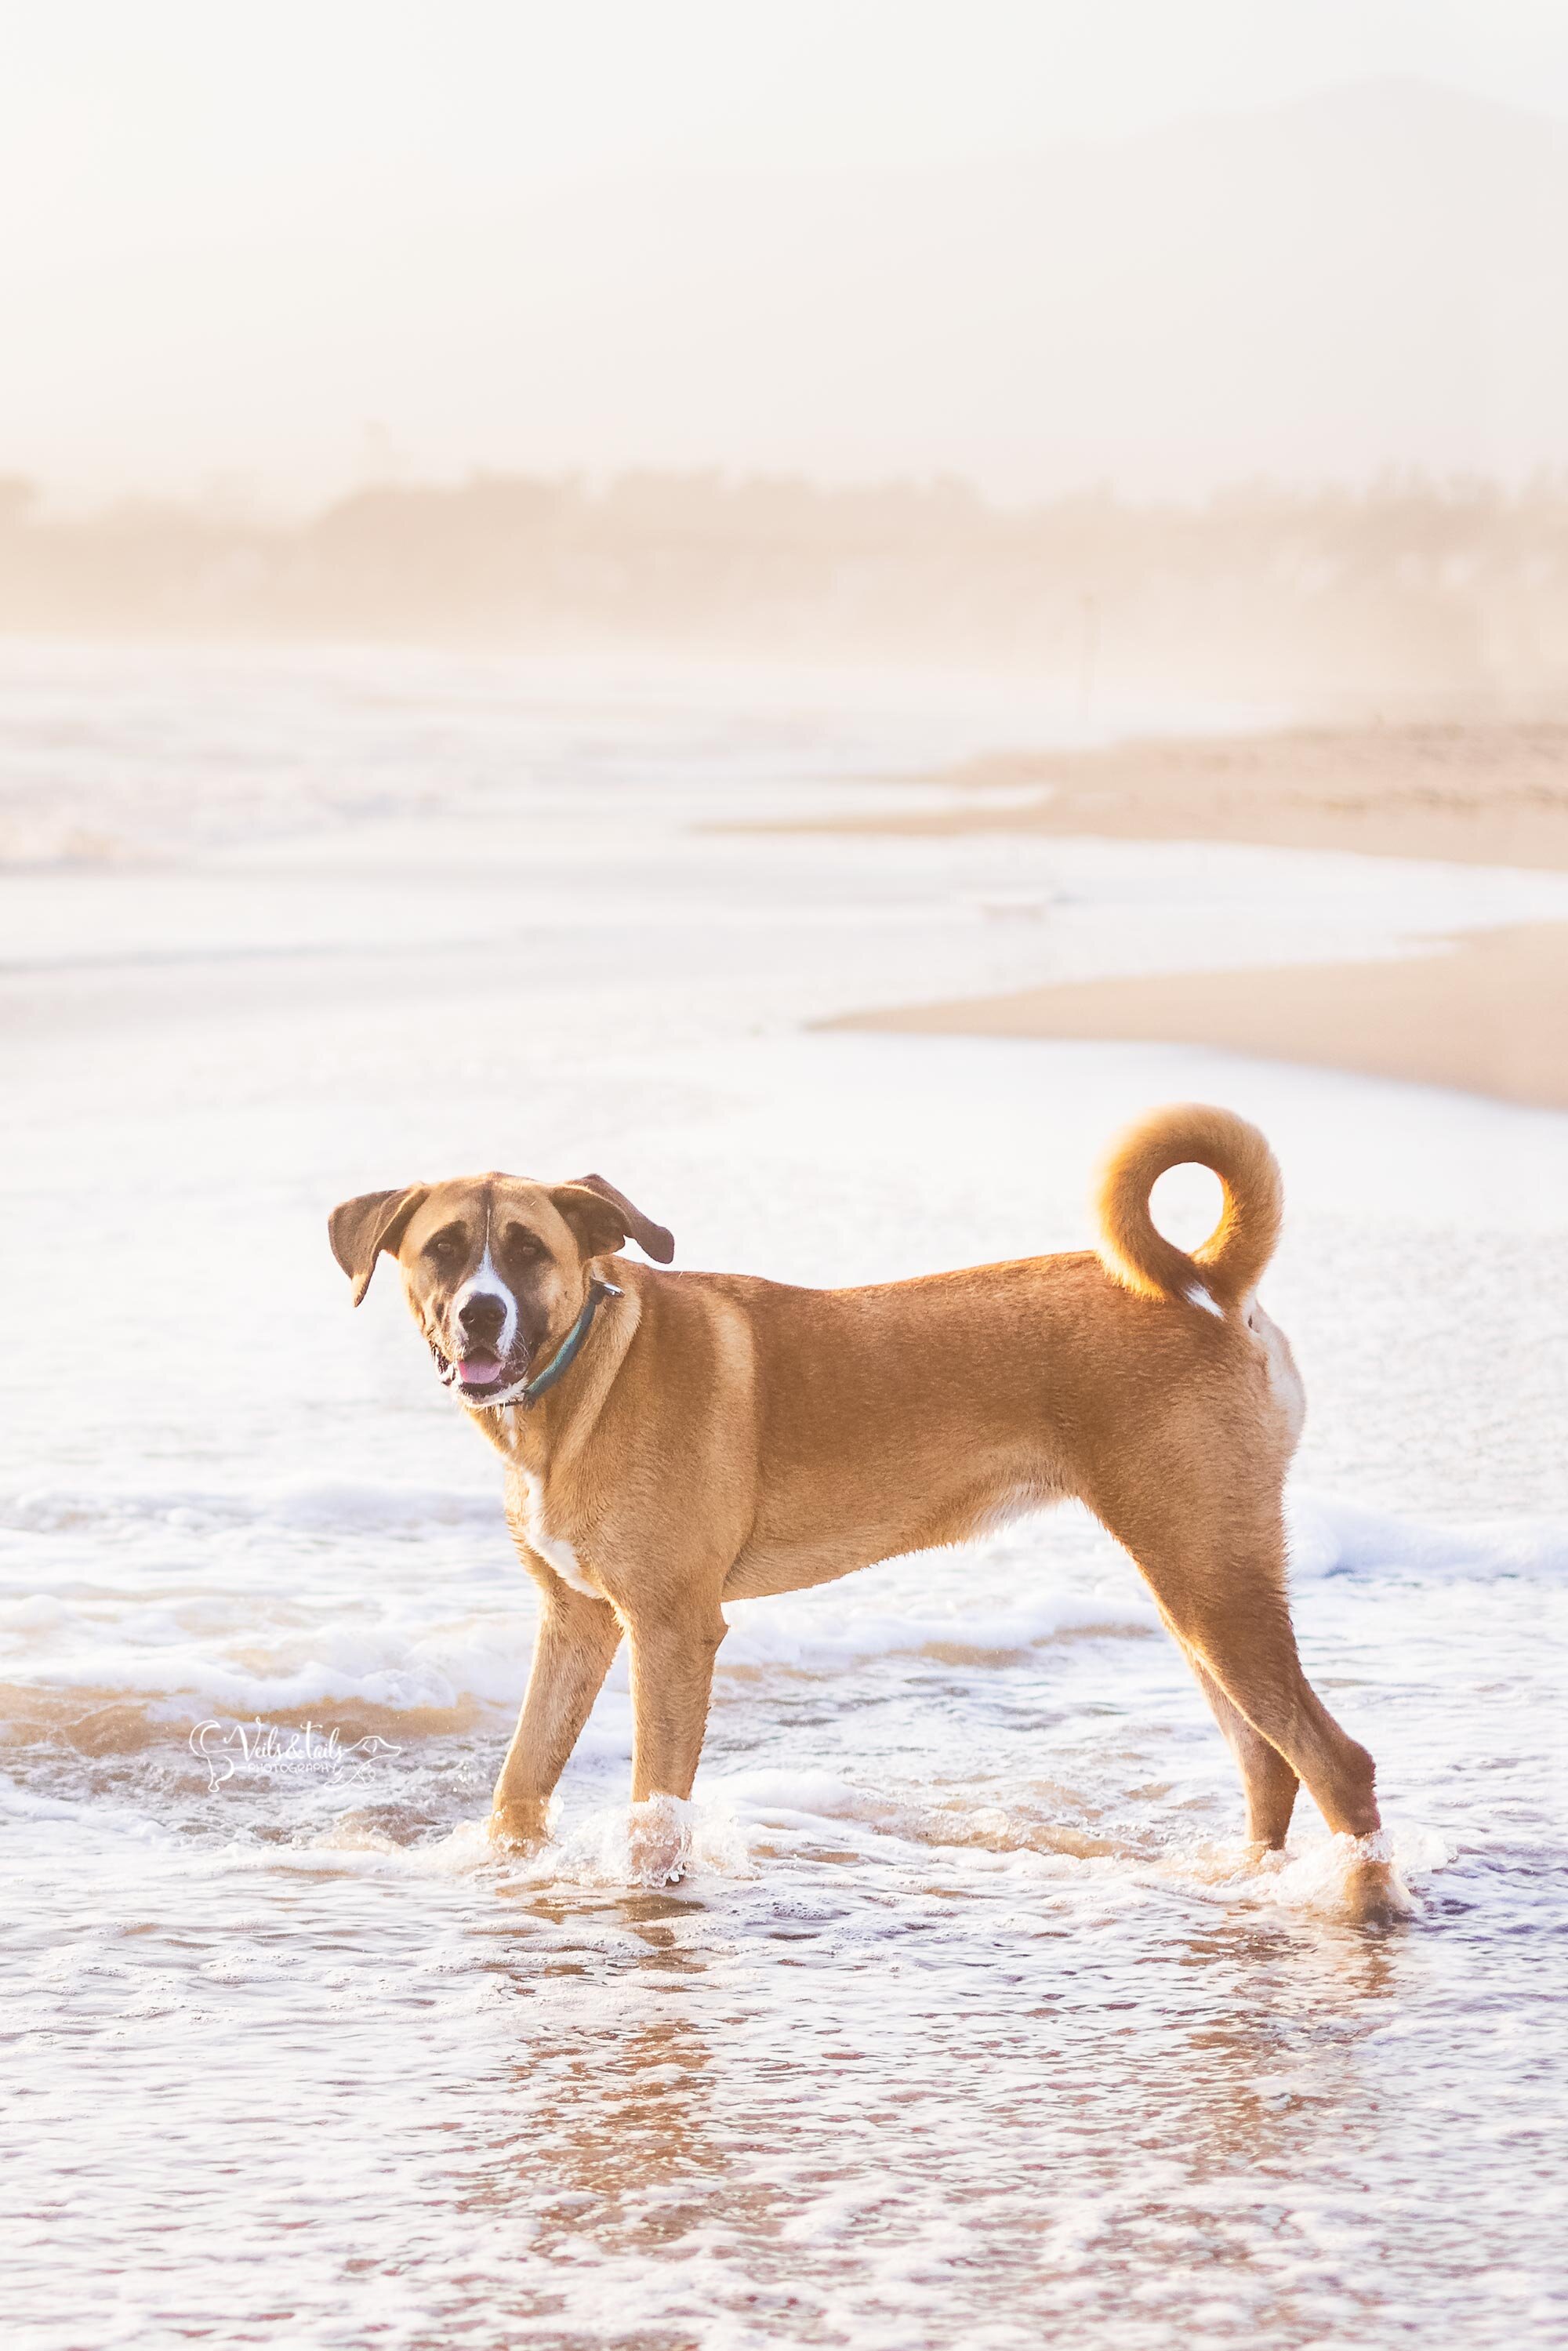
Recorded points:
(674,1440)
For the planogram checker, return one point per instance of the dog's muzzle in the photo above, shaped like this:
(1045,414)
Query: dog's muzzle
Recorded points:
(480,1376)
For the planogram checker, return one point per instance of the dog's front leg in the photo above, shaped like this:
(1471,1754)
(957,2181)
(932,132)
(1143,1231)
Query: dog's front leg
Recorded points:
(672,1679)
(576,1639)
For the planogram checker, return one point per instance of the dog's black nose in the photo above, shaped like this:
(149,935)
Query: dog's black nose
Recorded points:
(482,1317)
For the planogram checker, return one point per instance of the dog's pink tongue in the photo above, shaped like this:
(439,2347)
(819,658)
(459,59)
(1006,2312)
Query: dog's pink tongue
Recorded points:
(477,1371)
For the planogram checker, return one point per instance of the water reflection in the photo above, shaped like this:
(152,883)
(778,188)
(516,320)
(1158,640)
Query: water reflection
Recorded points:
(1161,2103)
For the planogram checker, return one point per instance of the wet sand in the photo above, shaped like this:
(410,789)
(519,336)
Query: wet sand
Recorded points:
(1492,795)
(1486,1012)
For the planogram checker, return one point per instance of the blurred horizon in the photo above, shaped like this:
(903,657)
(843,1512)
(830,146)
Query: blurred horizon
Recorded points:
(1206,354)
(1411,597)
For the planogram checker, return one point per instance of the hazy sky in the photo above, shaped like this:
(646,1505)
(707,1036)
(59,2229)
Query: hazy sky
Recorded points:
(134,133)
(173,119)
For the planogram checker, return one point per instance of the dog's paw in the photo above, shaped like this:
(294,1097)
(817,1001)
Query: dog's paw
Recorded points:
(658,1841)
(518,1829)
(1372,1891)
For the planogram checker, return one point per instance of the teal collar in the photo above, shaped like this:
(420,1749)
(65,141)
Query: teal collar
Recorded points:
(566,1354)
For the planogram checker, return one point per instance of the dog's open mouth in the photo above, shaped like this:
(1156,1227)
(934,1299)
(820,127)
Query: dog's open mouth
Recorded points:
(478,1377)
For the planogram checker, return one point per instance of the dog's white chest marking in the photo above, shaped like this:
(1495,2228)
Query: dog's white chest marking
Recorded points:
(555,1552)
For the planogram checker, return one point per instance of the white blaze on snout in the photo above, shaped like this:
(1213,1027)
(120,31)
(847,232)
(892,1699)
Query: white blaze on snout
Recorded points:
(485,1282)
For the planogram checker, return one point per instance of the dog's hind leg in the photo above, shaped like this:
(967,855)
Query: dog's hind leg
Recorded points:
(1215,1564)
(1232,1619)
(1269,1780)
(1246,1647)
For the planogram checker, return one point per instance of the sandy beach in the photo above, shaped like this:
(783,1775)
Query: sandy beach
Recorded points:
(975,2023)
(1488,1012)
(1478,795)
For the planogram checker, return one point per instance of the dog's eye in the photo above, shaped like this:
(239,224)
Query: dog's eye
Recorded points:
(445,1248)
(521,1243)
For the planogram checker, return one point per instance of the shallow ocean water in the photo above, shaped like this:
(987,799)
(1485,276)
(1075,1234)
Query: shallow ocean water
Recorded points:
(968,2024)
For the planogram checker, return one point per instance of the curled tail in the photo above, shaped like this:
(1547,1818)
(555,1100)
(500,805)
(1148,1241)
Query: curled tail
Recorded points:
(1231,1263)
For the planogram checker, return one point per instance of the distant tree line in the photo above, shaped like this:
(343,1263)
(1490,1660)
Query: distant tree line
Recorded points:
(1406,587)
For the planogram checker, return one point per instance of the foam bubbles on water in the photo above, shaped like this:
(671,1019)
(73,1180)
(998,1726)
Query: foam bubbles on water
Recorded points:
(1333,1534)
(657,1842)
(1362,1879)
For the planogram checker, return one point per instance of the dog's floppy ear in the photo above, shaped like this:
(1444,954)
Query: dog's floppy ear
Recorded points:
(359,1229)
(603,1217)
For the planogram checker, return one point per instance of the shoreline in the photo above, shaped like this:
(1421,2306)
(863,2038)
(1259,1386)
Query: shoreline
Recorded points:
(1486,1013)
(1461,794)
